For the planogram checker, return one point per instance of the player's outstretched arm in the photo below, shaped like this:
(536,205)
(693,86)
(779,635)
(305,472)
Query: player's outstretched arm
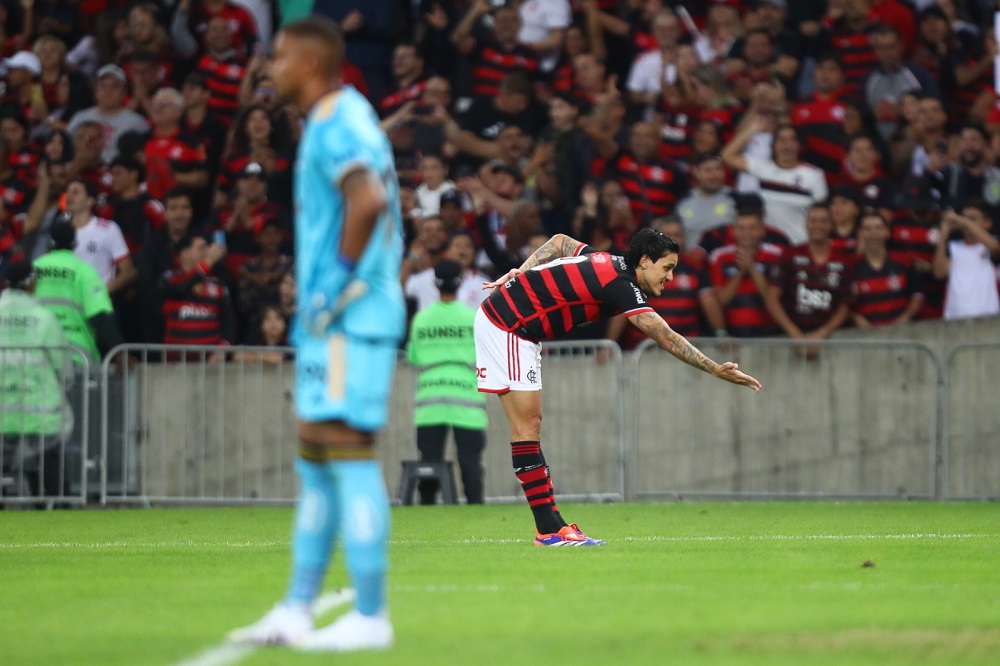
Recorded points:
(657,329)
(559,245)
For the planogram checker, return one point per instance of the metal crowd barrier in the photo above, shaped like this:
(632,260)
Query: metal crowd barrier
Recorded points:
(45,411)
(199,424)
(836,419)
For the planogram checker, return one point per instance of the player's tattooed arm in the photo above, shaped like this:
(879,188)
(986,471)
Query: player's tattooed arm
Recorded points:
(658,330)
(559,245)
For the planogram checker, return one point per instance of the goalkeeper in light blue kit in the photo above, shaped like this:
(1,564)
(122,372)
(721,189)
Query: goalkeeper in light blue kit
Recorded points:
(352,316)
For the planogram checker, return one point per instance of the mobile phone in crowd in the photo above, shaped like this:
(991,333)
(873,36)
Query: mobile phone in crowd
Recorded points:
(219,237)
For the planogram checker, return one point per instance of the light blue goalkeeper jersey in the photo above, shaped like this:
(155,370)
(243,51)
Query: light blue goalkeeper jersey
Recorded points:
(342,134)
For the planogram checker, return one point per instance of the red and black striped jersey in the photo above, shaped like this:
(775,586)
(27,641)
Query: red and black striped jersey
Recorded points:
(675,133)
(964,98)
(855,52)
(491,62)
(821,120)
(913,243)
(136,217)
(234,163)
(746,315)
(653,189)
(812,292)
(391,102)
(242,25)
(725,119)
(196,308)
(882,294)
(10,250)
(679,303)
(549,300)
(241,242)
(166,156)
(223,78)
(14,195)
(25,165)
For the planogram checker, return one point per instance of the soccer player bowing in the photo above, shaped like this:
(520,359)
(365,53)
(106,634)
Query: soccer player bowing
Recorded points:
(577,284)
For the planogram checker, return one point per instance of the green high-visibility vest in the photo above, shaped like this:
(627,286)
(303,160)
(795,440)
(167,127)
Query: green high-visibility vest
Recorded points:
(443,349)
(33,357)
(74,291)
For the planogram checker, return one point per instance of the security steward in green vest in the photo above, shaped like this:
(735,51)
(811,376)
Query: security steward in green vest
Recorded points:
(442,348)
(74,291)
(35,416)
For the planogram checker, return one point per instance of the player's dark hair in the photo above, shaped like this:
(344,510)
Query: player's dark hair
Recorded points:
(325,31)
(649,243)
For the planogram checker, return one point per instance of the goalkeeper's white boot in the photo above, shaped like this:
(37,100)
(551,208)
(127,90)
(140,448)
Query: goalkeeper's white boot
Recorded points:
(351,633)
(285,624)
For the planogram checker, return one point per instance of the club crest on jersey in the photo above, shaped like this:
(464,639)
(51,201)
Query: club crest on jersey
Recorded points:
(600,259)
(532,376)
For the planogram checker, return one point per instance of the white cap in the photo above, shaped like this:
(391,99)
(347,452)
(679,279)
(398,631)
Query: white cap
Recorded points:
(24,60)
(113,71)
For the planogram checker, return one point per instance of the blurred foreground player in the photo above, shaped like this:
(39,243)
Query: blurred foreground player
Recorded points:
(351,319)
(563,284)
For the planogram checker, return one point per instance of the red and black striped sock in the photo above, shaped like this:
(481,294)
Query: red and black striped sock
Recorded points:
(552,492)
(532,472)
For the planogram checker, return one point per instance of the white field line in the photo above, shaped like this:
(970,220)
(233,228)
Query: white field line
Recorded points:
(111,545)
(226,653)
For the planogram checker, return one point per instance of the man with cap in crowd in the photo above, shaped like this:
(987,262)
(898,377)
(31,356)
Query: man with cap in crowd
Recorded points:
(75,293)
(240,219)
(110,110)
(23,68)
(35,417)
(442,348)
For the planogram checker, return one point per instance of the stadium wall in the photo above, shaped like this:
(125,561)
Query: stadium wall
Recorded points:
(868,416)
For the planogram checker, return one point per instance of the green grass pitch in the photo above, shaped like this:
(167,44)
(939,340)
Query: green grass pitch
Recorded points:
(688,583)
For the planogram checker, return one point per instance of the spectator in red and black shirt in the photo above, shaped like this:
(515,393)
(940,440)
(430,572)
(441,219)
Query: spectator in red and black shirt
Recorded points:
(197,309)
(820,117)
(24,156)
(14,192)
(255,139)
(199,121)
(241,218)
(408,76)
(500,54)
(849,37)
(10,252)
(159,255)
(200,12)
(885,291)
(173,157)
(810,295)
(740,273)
(653,187)
(137,213)
(223,68)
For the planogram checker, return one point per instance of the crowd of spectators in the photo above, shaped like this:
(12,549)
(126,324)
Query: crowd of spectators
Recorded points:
(825,164)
